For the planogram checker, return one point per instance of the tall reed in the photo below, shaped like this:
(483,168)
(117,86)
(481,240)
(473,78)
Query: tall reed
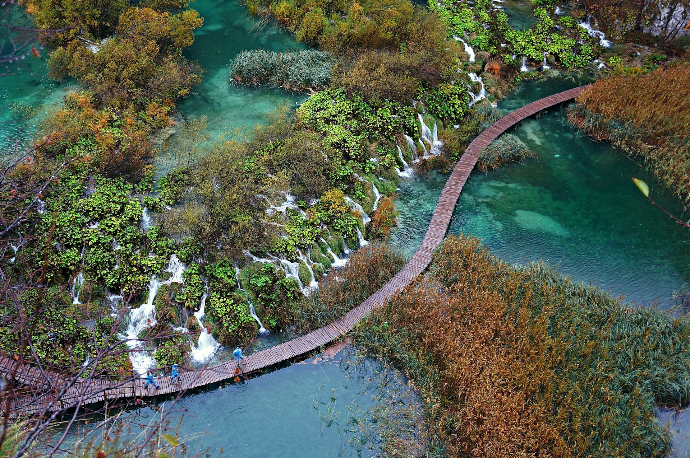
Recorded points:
(525,362)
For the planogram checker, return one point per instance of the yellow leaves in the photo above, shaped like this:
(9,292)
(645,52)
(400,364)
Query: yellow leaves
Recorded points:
(642,186)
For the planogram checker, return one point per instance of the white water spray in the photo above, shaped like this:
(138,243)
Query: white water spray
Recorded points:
(482,90)
(431,137)
(468,49)
(206,346)
(337,261)
(544,65)
(413,148)
(357,207)
(145,220)
(377,196)
(360,238)
(595,33)
(144,317)
(524,65)
(252,311)
(76,287)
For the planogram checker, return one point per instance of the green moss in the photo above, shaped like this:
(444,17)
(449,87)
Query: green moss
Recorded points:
(304,275)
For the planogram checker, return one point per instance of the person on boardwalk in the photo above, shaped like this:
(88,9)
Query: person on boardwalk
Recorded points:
(175,375)
(237,354)
(150,380)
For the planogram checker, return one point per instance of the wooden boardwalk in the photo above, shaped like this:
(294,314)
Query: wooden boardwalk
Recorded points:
(101,390)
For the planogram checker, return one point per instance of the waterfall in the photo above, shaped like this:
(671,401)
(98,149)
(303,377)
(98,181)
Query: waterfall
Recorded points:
(468,48)
(595,33)
(544,65)
(413,148)
(291,269)
(144,317)
(337,261)
(377,195)
(313,284)
(524,65)
(252,311)
(358,207)
(76,287)
(558,11)
(360,237)
(40,206)
(431,138)
(289,203)
(406,172)
(14,249)
(206,345)
(482,91)
(145,219)
(346,249)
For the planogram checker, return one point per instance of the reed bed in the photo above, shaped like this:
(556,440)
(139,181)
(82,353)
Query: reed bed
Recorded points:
(294,71)
(647,115)
(525,362)
(505,150)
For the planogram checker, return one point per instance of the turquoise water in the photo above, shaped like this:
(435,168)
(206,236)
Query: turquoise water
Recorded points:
(574,206)
(26,94)
(228,30)
(304,410)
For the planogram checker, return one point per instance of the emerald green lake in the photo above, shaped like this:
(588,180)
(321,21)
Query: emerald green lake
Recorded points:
(574,206)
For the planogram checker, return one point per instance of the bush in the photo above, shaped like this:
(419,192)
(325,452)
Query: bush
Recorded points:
(505,150)
(294,71)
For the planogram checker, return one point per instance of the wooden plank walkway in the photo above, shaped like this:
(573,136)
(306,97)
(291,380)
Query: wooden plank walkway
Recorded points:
(100,390)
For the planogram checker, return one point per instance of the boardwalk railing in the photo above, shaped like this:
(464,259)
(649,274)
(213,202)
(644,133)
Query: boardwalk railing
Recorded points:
(95,391)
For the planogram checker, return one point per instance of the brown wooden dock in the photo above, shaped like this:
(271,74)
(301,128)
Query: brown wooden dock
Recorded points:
(44,392)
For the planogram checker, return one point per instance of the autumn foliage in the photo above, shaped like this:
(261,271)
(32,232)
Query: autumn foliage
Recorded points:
(524,362)
(647,115)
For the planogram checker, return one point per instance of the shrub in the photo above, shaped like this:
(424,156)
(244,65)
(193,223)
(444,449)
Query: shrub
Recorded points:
(505,150)
(294,71)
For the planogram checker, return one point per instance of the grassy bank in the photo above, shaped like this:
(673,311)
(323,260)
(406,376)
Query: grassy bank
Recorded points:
(525,362)
(648,116)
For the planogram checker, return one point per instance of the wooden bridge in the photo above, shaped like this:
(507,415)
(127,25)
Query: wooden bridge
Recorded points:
(46,396)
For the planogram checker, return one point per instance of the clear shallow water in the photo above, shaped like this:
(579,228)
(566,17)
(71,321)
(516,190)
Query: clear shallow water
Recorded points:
(574,206)
(26,94)
(227,31)
(300,411)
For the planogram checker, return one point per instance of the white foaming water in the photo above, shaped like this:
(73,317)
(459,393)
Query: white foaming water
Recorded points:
(595,33)
(524,65)
(482,90)
(40,206)
(360,238)
(289,203)
(145,317)
(431,138)
(377,196)
(346,249)
(14,249)
(358,207)
(406,172)
(145,219)
(337,261)
(413,148)
(76,287)
(468,48)
(206,346)
(313,284)
(252,311)
(559,11)
(544,66)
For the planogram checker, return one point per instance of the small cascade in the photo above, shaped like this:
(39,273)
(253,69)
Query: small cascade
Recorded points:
(595,33)
(360,238)
(559,11)
(291,270)
(431,138)
(206,346)
(358,207)
(544,65)
(482,90)
(313,284)
(40,206)
(255,258)
(468,49)
(14,250)
(114,300)
(145,219)
(346,249)
(289,203)
(337,261)
(377,194)
(262,331)
(524,65)
(76,287)
(413,148)
(144,317)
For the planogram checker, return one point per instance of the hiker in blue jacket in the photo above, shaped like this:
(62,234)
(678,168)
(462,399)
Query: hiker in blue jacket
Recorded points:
(150,381)
(174,375)
(237,354)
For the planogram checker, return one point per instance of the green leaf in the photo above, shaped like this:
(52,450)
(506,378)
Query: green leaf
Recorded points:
(642,186)
(171,440)
(163,455)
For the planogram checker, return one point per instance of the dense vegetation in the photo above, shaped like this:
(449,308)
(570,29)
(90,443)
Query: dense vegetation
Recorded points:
(524,362)
(294,71)
(647,115)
